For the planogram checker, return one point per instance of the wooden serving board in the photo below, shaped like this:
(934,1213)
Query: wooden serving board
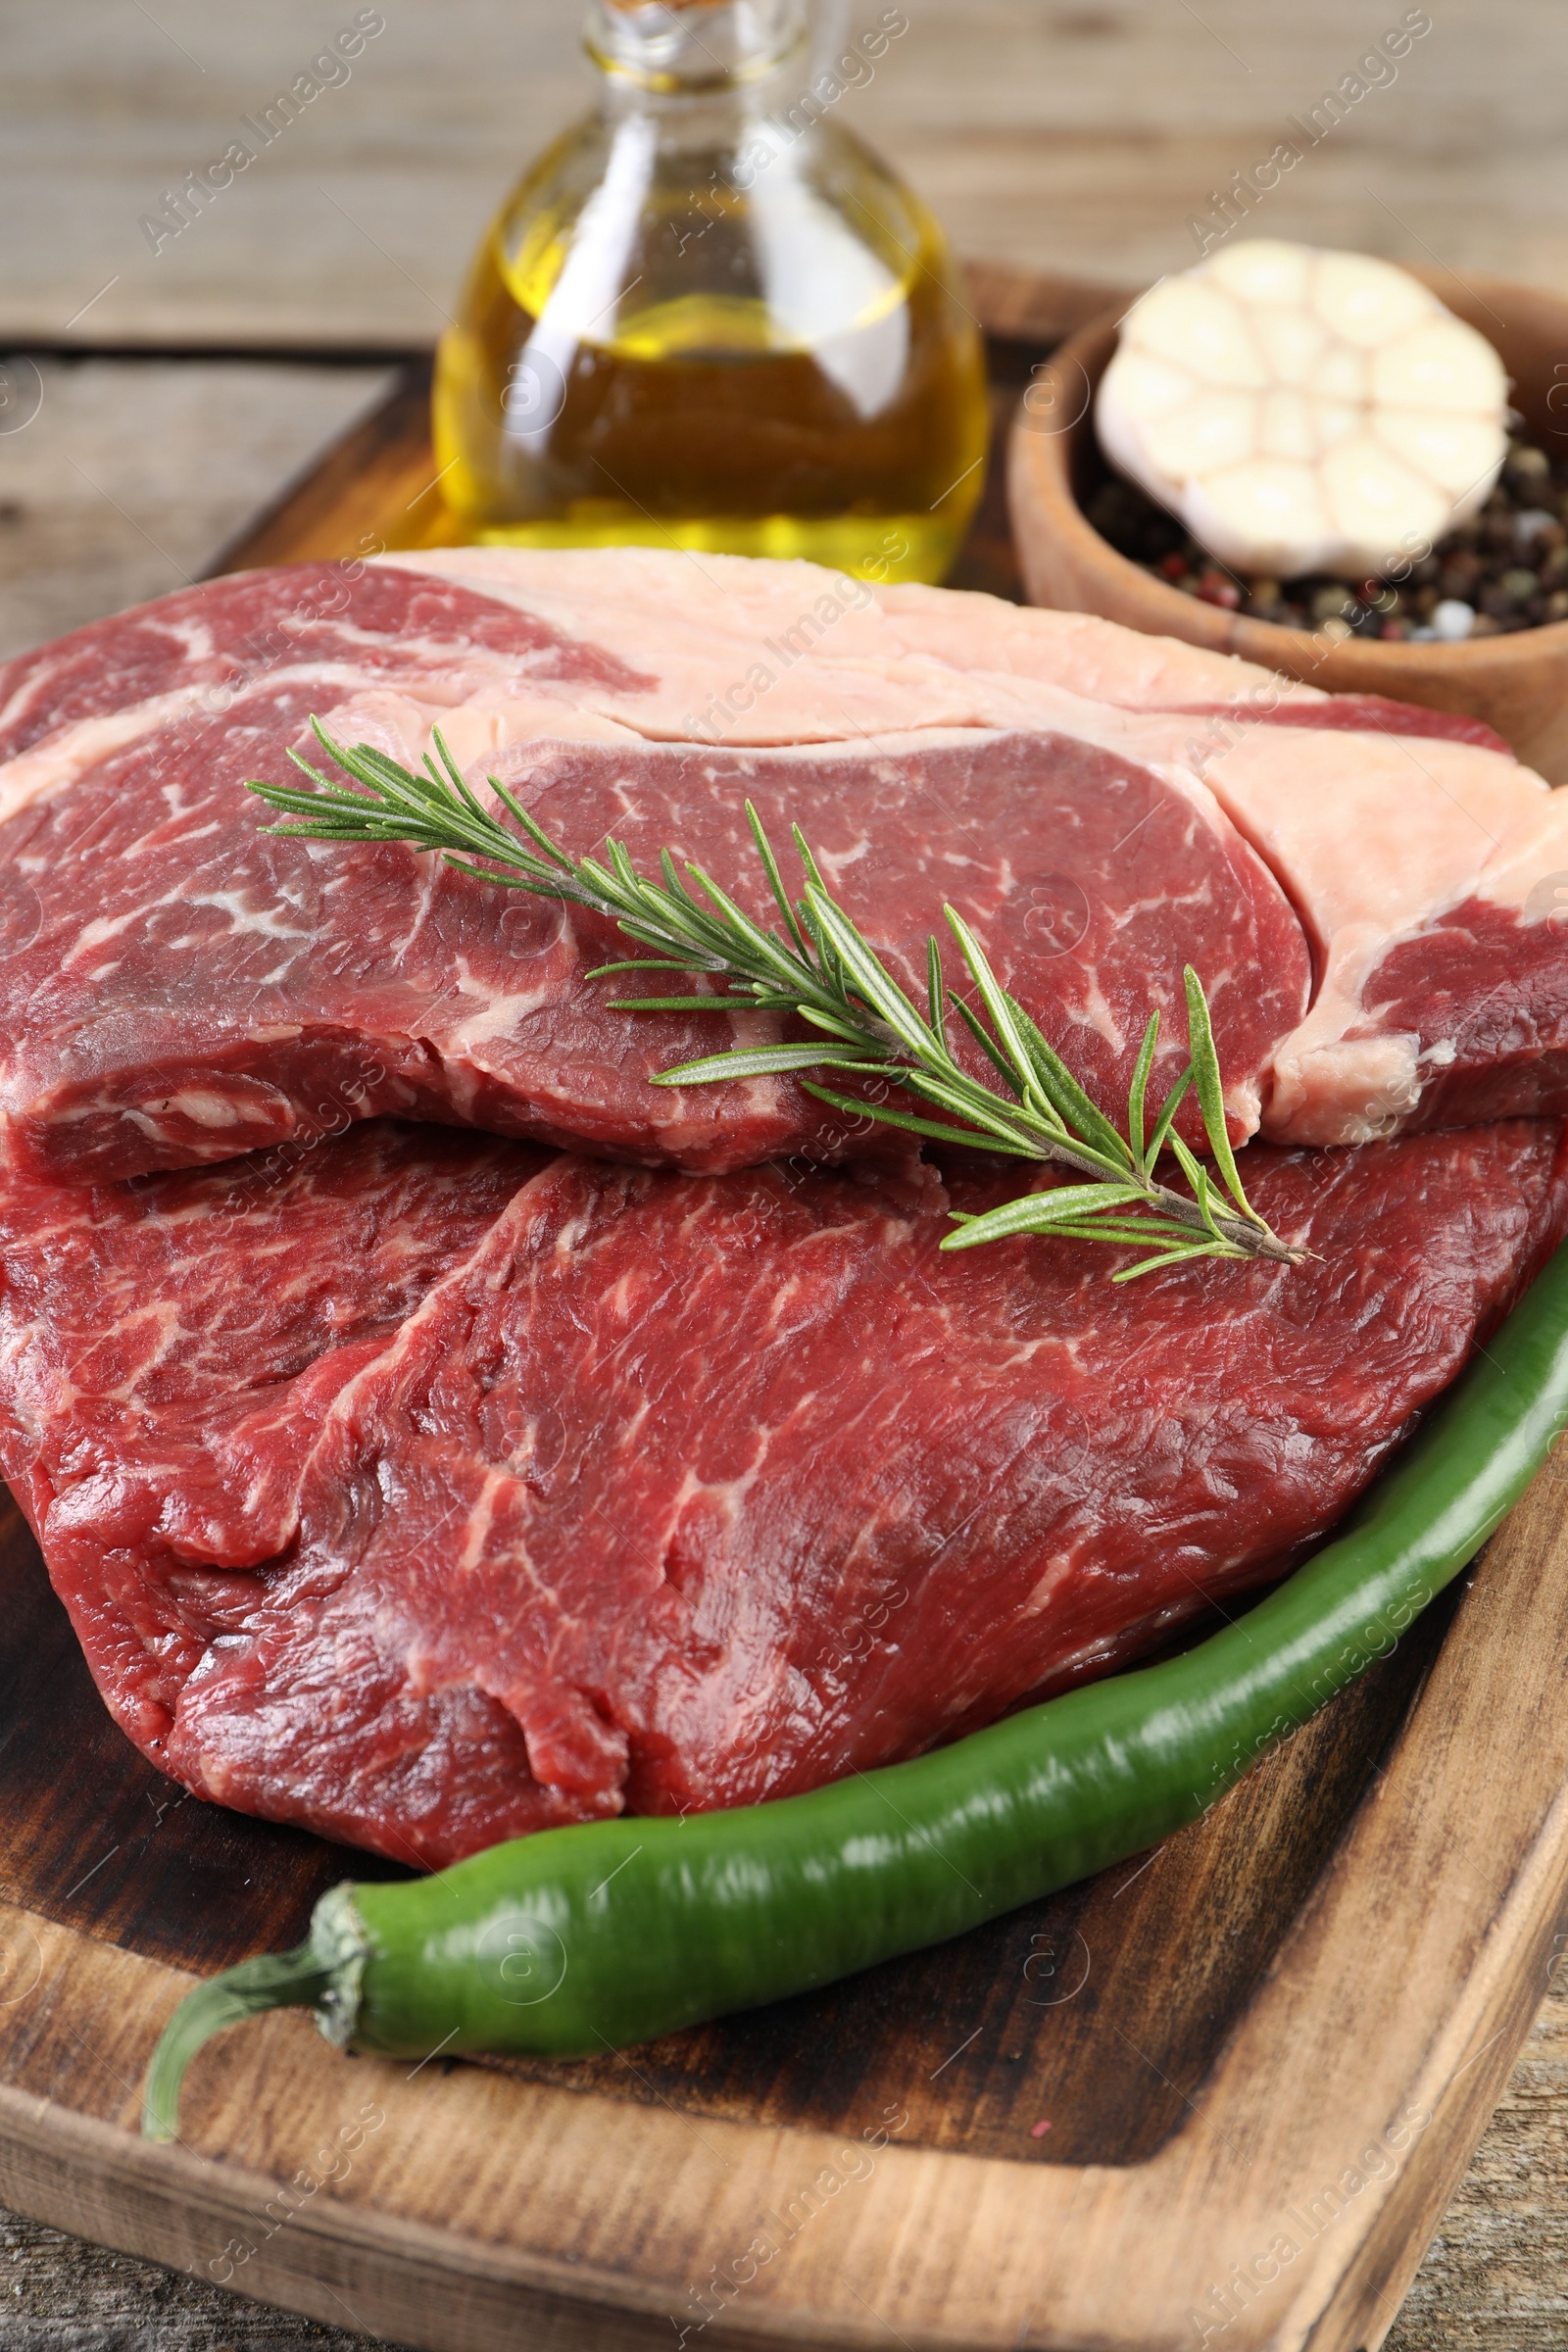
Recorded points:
(1220,2094)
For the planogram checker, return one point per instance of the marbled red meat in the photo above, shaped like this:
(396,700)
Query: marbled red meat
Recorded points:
(1387,826)
(428,1489)
(175,988)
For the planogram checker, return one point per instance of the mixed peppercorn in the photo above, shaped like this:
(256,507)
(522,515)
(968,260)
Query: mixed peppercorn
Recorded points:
(1506,569)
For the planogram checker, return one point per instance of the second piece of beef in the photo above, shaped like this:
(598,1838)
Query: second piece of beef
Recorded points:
(175,988)
(428,1491)
(1428,866)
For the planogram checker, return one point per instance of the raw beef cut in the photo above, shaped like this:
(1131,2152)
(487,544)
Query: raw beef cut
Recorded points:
(1428,866)
(424,1489)
(180,989)
(173,988)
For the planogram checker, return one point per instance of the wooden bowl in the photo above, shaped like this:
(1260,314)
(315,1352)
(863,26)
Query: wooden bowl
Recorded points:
(1517,683)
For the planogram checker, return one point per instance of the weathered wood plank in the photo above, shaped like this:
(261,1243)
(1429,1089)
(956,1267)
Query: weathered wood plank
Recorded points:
(1495,2278)
(132,472)
(1069,138)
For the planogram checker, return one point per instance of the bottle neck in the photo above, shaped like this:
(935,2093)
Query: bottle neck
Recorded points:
(694,48)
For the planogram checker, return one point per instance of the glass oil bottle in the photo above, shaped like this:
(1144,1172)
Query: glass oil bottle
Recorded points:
(710,319)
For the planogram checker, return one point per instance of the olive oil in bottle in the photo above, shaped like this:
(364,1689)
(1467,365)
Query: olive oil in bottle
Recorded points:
(710,319)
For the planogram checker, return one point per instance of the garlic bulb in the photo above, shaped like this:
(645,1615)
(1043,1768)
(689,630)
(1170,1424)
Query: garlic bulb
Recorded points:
(1304,410)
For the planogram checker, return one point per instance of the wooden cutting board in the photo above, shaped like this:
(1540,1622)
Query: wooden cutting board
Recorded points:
(1222,2095)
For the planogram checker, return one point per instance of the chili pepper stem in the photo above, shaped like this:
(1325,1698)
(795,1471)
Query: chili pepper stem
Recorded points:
(296,1980)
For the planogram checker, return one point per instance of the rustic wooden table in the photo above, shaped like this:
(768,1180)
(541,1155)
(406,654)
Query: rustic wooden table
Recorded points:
(168,392)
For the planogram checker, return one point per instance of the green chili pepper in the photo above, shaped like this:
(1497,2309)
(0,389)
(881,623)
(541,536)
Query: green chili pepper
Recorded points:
(579,1941)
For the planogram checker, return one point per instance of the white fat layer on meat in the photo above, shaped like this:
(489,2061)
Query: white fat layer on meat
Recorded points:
(1527,871)
(498,1012)
(196,1106)
(1095,1014)
(54,765)
(102,928)
(1375,837)
(479,732)
(702,626)
(192,633)
(158,1327)
(245,915)
(481,1514)
(51,766)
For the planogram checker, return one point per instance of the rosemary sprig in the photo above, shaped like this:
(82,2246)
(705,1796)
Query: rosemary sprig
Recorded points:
(819,968)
